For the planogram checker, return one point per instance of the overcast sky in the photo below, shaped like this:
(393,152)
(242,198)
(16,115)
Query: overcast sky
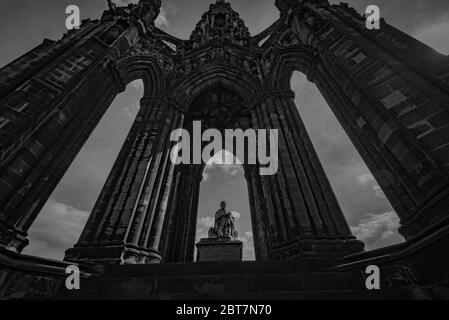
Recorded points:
(368,212)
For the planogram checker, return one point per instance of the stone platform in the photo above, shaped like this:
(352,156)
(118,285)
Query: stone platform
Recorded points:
(213,249)
(246,280)
(25,277)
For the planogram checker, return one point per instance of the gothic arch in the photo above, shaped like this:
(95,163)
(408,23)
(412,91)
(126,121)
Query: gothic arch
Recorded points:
(247,86)
(145,68)
(383,100)
(286,62)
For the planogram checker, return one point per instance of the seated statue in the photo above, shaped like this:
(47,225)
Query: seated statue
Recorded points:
(224,227)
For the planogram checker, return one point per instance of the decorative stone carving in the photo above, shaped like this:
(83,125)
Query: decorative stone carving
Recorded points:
(221,24)
(149,49)
(295,213)
(149,10)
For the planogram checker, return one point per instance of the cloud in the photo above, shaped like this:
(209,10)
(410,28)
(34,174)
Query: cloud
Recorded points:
(223,157)
(137,84)
(57,230)
(206,176)
(436,36)
(161,20)
(367,179)
(226,161)
(203,226)
(86,176)
(206,222)
(236,215)
(132,109)
(169,8)
(248,245)
(378,231)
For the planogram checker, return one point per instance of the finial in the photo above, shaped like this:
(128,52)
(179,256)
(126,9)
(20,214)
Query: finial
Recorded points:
(111,5)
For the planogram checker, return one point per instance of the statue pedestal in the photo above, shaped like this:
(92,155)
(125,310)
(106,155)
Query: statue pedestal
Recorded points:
(214,249)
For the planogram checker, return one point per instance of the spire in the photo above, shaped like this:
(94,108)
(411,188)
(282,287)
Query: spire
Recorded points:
(111,5)
(220,23)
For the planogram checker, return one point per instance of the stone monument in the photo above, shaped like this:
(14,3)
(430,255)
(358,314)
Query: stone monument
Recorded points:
(222,243)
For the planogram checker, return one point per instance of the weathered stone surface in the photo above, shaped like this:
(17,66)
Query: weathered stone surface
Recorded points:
(388,90)
(211,249)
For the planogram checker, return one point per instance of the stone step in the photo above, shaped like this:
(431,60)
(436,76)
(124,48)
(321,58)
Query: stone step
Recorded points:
(245,267)
(258,296)
(232,282)
(269,280)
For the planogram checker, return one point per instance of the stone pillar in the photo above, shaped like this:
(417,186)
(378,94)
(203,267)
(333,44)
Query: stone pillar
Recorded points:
(51,99)
(390,93)
(180,225)
(155,237)
(303,215)
(125,223)
(42,151)
(258,212)
(394,115)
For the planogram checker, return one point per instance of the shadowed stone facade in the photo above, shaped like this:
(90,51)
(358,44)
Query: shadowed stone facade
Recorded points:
(389,92)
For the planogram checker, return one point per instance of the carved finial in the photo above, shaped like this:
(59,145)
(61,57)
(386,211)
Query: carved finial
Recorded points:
(148,10)
(111,5)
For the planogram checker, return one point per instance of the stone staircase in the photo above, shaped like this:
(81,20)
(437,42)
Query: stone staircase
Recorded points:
(268,280)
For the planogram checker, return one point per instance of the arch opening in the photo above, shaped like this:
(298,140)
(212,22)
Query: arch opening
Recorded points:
(223,179)
(71,203)
(369,213)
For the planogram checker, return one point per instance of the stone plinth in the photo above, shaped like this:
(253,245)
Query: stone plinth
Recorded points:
(213,249)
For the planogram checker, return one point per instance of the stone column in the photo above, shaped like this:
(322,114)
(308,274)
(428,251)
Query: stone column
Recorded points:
(258,212)
(51,99)
(180,226)
(390,93)
(132,200)
(31,173)
(304,218)
(153,239)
